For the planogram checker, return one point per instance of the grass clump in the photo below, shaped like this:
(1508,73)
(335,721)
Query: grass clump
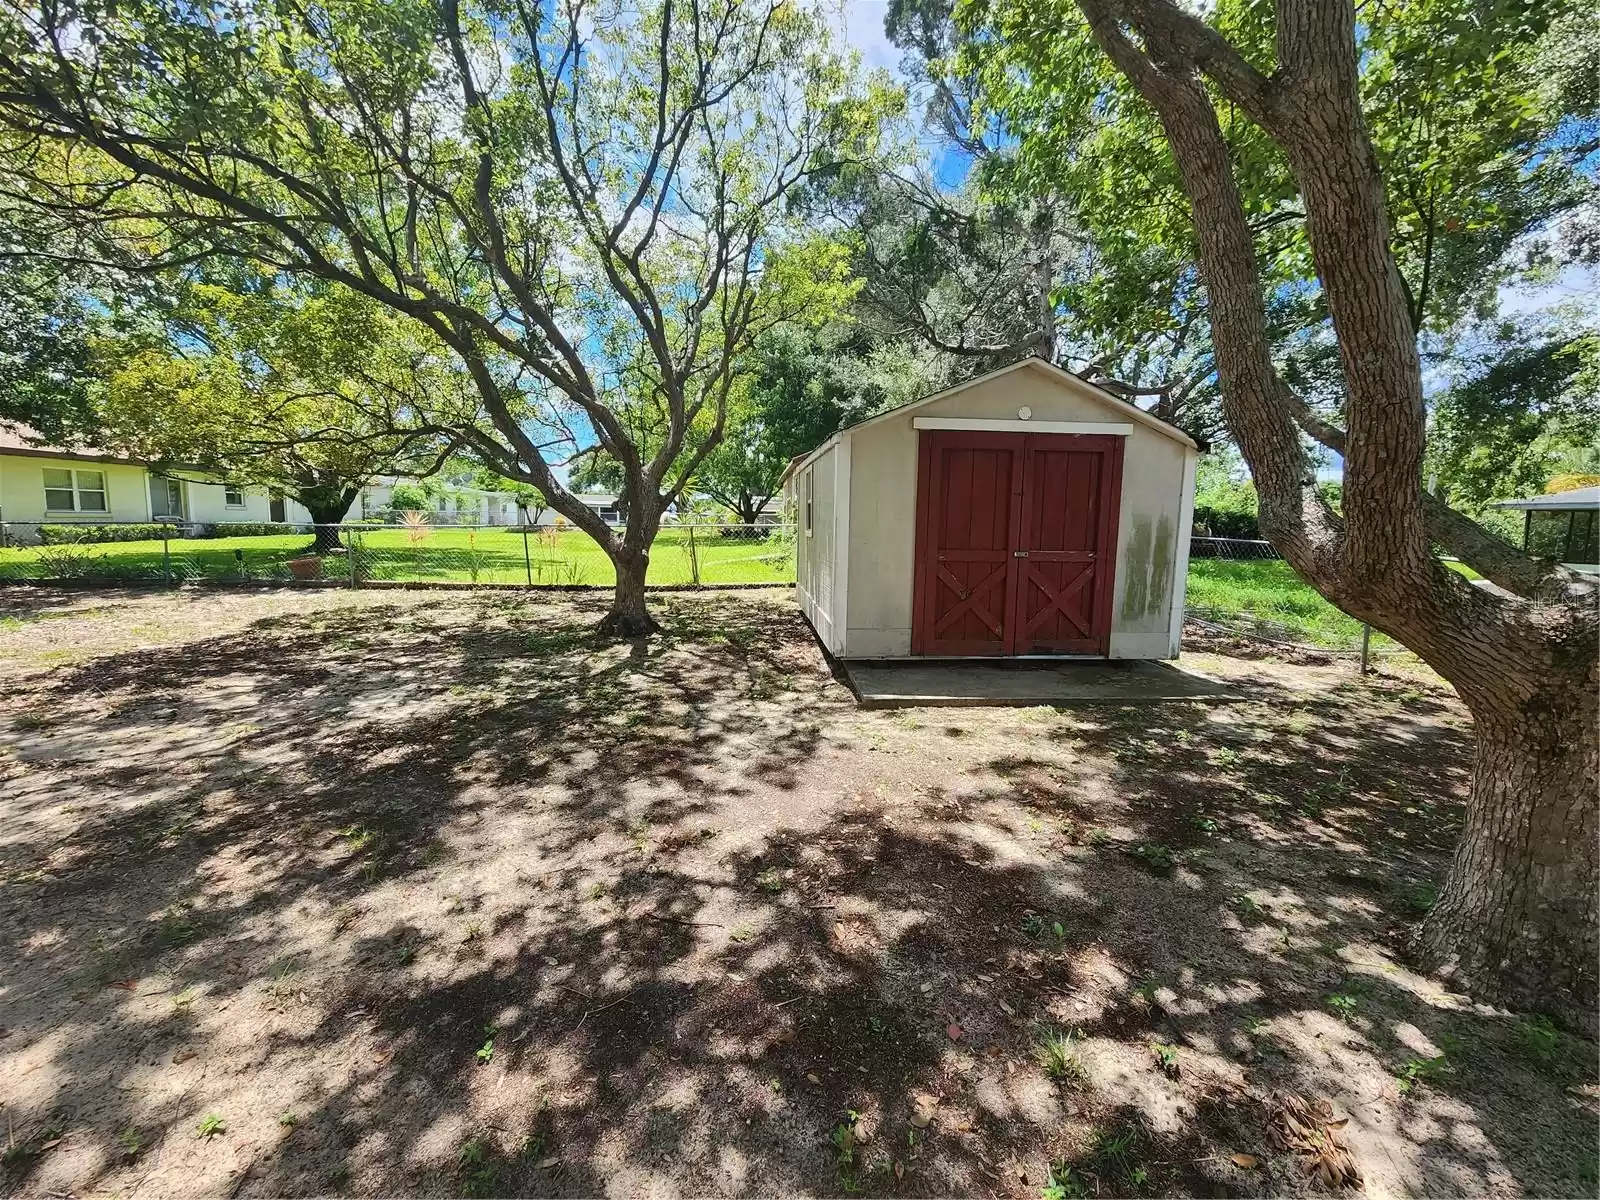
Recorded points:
(1056,1051)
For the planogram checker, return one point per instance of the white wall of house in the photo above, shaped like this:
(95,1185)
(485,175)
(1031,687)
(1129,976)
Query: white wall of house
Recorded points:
(81,490)
(208,501)
(123,492)
(220,503)
(461,505)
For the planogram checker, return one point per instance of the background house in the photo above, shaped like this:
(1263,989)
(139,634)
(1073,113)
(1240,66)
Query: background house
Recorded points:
(1563,525)
(41,484)
(455,504)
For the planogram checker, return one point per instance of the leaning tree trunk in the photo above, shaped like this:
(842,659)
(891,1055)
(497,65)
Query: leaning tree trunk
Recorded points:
(1518,918)
(629,616)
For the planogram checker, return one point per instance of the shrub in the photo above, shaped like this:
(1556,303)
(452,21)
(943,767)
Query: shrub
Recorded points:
(247,529)
(73,562)
(75,535)
(1215,521)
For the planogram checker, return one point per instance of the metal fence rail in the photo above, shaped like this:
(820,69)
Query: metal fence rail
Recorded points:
(361,555)
(1239,548)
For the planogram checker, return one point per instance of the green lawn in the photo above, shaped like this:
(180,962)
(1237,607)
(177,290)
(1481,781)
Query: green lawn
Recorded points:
(1269,590)
(443,555)
(1266,591)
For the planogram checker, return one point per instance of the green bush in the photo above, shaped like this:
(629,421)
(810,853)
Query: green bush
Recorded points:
(246,529)
(1213,521)
(1224,506)
(76,535)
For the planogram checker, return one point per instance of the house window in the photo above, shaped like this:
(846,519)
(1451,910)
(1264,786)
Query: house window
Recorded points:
(233,495)
(75,491)
(810,494)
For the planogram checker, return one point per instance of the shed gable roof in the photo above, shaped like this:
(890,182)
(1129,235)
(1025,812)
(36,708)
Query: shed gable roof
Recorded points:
(1065,378)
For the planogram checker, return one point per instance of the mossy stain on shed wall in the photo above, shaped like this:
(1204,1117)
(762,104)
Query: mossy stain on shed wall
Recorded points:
(1147,568)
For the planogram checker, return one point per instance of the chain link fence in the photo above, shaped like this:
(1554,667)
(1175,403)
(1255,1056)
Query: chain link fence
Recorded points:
(376,555)
(1236,587)
(1242,589)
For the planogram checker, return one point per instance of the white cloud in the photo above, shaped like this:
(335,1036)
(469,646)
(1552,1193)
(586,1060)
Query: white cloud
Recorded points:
(1578,282)
(861,23)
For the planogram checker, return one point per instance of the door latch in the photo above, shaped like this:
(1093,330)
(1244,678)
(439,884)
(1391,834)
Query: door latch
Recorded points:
(1019,554)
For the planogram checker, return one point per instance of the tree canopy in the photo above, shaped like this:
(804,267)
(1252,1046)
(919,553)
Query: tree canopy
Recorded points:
(310,391)
(588,206)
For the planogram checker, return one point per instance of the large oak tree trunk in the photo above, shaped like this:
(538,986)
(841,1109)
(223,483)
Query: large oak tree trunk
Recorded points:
(328,507)
(1518,917)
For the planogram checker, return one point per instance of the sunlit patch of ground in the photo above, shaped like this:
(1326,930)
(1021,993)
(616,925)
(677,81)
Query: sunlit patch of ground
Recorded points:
(381,892)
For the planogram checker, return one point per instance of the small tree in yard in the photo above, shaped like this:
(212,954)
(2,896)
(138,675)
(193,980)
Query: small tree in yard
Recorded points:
(802,385)
(1255,93)
(586,203)
(308,392)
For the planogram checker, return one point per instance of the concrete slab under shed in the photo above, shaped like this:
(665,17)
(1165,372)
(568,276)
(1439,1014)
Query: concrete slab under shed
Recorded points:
(968,683)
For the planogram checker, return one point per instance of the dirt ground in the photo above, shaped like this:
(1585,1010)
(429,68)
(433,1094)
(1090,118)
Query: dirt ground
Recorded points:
(376,893)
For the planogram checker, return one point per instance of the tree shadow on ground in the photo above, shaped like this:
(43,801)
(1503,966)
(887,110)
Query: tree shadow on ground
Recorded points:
(455,900)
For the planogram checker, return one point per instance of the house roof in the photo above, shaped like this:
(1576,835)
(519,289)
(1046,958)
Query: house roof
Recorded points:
(1588,497)
(1076,383)
(22,441)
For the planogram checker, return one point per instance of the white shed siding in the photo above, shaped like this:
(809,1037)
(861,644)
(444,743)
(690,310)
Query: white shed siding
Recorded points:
(816,542)
(1151,544)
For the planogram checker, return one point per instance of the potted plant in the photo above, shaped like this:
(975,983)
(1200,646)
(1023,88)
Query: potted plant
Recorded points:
(307,566)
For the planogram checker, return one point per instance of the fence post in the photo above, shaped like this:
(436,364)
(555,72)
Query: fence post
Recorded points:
(527,559)
(1366,646)
(350,555)
(166,558)
(694,559)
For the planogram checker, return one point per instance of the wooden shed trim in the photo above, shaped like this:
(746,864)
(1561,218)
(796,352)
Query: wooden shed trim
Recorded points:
(1016,425)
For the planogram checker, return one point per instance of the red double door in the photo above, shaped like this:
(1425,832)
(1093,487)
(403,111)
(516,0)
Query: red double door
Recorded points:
(1016,543)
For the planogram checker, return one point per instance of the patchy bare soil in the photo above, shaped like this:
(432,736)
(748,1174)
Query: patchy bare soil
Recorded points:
(427,893)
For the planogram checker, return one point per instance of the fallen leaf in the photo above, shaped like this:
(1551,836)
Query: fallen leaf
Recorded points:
(544,1164)
(50,1145)
(927,987)
(955,1031)
(127,985)
(1007,1009)
(921,1119)
(1247,1161)
(810,1078)
(183,1056)
(899,1169)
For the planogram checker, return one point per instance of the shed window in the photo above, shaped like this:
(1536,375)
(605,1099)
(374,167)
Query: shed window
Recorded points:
(74,491)
(810,496)
(233,495)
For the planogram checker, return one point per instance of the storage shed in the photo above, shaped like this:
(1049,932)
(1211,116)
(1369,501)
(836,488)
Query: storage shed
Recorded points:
(1025,513)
